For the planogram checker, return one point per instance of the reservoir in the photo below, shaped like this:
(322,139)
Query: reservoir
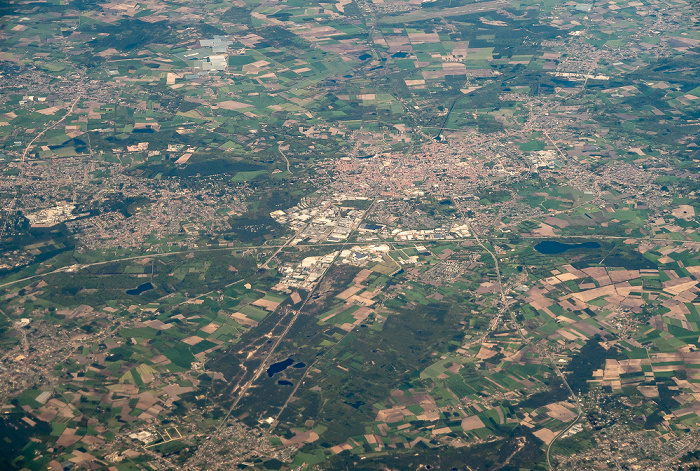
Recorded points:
(552,247)
(140,289)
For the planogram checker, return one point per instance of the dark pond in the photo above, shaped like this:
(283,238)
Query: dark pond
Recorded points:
(279,367)
(284,382)
(299,365)
(552,247)
(400,55)
(364,57)
(140,289)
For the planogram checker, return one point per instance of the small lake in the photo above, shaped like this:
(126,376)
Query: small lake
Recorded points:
(279,367)
(140,289)
(284,382)
(552,247)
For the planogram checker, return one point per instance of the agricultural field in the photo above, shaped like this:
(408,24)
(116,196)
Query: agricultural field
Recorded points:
(357,235)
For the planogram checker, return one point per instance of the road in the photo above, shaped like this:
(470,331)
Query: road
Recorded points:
(263,366)
(330,244)
(287,242)
(552,360)
(48,127)
(505,307)
(279,148)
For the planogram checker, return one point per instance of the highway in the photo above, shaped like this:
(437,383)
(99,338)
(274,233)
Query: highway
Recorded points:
(279,248)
